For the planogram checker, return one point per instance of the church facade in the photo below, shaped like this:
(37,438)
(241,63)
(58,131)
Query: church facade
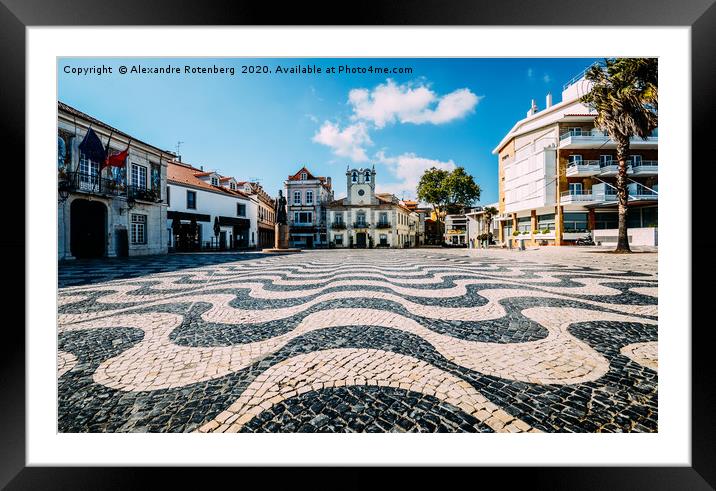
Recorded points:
(366,219)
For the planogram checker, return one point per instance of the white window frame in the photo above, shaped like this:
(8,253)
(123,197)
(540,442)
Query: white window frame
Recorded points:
(575,159)
(309,197)
(304,176)
(575,186)
(139,174)
(297,194)
(238,209)
(139,229)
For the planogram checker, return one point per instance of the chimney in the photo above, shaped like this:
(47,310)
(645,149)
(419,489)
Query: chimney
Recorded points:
(533,108)
(549,100)
(201,167)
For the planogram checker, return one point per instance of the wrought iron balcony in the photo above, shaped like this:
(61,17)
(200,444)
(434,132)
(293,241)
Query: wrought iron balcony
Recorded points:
(383,225)
(89,183)
(338,226)
(143,194)
(360,225)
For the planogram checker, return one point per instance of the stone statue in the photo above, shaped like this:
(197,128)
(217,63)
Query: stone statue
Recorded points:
(280,209)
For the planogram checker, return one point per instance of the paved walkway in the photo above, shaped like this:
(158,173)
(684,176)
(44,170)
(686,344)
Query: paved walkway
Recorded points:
(549,340)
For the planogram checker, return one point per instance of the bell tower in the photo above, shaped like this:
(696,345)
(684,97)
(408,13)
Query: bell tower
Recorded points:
(360,186)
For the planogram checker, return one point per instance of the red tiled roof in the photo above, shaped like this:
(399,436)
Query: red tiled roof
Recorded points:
(186,174)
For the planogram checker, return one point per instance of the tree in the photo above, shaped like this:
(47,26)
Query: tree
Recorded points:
(431,190)
(447,191)
(489,213)
(624,94)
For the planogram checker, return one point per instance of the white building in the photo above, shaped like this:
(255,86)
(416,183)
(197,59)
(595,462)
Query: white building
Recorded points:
(557,177)
(477,225)
(110,211)
(365,218)
(306,199)
(198,201)
(455,229)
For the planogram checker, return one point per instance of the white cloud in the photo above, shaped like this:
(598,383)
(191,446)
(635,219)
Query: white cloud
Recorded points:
(407,168)
(547,79)
(407,103)
(530,73)
(349,142)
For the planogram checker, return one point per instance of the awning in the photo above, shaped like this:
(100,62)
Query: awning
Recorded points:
(242,223)
(182,215)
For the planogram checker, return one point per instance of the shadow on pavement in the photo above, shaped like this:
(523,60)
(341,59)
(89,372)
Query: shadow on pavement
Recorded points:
(88,271)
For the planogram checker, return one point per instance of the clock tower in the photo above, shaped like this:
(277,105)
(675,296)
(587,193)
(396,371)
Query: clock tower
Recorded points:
(360,185)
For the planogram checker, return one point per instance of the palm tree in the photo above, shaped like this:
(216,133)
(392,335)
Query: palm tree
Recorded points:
(490,212)
(625,96)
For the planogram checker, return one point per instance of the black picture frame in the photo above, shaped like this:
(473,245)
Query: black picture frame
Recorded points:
(700,15)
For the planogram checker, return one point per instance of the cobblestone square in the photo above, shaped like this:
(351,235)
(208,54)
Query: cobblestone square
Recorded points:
(418,340)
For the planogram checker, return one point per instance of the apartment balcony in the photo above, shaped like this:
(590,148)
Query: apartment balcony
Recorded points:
(302,224)
(611,168)
(90,184)
(576,196)
(383,225)
(584,168)
(143,194)
(598,139)
(361,225)
(645,168)
(338,226)
(605,193)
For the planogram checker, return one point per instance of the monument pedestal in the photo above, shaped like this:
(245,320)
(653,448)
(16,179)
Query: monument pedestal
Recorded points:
(281,240)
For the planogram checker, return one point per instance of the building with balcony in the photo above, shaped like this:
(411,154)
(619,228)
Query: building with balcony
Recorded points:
(307,197)
(557,177)
(455,230)
(366,219)
(202,203)
(108,211)
(477,225)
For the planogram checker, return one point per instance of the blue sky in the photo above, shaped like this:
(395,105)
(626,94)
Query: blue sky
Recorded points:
(447,112)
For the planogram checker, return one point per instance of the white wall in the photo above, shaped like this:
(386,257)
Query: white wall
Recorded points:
(213,204)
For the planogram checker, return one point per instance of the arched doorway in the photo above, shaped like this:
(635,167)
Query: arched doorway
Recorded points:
(88,228)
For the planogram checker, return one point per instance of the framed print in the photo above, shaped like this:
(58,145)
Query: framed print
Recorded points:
(261,242)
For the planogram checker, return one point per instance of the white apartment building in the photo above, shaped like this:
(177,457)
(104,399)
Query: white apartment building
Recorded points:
(477,225)
(455,229)
(114,210)
(199,201)
(306,199)
(365,218)
(557,177)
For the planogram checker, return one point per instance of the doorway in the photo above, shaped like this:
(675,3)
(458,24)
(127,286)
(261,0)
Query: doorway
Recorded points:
(88,228)
(360,240)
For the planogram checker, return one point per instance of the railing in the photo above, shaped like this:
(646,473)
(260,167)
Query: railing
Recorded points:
(645,163)
(360,225)
(338,226)
(383,225)
(583,163)
(144,194)
(574,195)
(583,133)
(302,224)
(91,183)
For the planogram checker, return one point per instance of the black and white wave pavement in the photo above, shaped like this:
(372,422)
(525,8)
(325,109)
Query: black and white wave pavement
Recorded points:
(356,341)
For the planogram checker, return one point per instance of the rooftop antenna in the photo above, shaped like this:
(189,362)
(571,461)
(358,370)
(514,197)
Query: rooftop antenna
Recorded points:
(179,143)
(255,179)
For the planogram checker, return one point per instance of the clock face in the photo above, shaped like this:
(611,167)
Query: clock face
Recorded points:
(361,192)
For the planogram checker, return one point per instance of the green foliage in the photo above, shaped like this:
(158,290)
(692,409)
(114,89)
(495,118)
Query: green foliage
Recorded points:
(546,230)
(461,188)
(431,187)
(624,93)
(515,233)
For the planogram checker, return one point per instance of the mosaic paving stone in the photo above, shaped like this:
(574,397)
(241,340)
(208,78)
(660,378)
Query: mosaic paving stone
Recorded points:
(423,340)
